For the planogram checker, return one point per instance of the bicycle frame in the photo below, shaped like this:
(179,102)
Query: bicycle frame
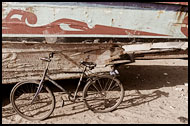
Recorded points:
(113,73)
(56,84)
(102,92)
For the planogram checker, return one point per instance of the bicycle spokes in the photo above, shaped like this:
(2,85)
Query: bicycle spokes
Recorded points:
(104,94)
(22,95)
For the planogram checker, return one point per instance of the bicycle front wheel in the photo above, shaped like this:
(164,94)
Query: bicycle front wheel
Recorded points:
(21,98)
(103,94)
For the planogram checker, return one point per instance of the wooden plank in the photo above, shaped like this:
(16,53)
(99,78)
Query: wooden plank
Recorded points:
(22,60)
(181,56)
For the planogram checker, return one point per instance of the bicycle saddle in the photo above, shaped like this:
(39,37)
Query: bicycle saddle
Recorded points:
(91,65)
(46,59)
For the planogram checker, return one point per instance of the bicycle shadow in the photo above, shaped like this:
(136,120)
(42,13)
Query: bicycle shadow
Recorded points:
(69,108)
(147,79)
(135,78)
(135,99)
(138,98)
(8,112)
(77,107)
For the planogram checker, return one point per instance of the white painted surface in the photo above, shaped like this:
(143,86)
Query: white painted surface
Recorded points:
(153,21)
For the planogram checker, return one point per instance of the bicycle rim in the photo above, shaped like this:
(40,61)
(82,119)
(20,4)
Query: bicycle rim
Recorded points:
(22,95)
(104,94)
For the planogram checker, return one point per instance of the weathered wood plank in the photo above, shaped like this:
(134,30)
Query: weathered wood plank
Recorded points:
(22,60)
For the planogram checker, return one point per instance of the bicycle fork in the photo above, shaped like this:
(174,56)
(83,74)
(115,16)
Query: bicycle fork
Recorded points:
(41,83)
(38,91)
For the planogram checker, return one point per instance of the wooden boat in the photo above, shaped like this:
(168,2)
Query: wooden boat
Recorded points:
(102,32)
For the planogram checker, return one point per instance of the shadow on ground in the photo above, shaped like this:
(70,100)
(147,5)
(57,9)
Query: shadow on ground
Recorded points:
(152,77)
(133,78)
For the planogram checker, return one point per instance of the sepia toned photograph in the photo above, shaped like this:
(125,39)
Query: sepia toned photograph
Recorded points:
(94,63)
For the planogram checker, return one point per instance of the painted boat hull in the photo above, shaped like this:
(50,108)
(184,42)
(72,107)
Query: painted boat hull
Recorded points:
(122,20)
(94,19)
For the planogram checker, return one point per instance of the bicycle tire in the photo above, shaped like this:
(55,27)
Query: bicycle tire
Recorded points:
(21,96)
(95,95)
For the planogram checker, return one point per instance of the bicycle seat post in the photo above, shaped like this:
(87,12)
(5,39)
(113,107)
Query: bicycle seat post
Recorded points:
(79,83)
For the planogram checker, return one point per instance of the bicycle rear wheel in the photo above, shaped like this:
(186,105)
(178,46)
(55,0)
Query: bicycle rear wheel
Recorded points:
(103,94)
(22,95)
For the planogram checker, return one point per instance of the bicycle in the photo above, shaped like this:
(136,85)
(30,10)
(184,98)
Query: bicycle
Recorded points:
(33,100)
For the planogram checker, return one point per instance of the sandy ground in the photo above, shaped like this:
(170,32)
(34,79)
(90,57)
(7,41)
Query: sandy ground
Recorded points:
(156,92)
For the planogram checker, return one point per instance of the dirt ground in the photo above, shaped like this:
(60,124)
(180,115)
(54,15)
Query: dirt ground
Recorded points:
(156,92)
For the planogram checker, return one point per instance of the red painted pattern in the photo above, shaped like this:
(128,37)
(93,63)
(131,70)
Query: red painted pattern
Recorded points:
(184,29)
(18,26)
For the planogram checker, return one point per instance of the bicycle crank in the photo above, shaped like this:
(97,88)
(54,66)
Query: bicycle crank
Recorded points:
(63,103)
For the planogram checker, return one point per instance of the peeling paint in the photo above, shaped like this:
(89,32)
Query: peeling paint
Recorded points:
(96,21)
(159,13)
(67,58)
(99,20)
(30,9)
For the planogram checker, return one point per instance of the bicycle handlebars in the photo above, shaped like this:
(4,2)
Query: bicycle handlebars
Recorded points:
(51,55)
(48,59)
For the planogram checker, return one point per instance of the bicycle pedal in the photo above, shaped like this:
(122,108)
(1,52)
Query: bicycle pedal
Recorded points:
(80,99)
(63,103)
